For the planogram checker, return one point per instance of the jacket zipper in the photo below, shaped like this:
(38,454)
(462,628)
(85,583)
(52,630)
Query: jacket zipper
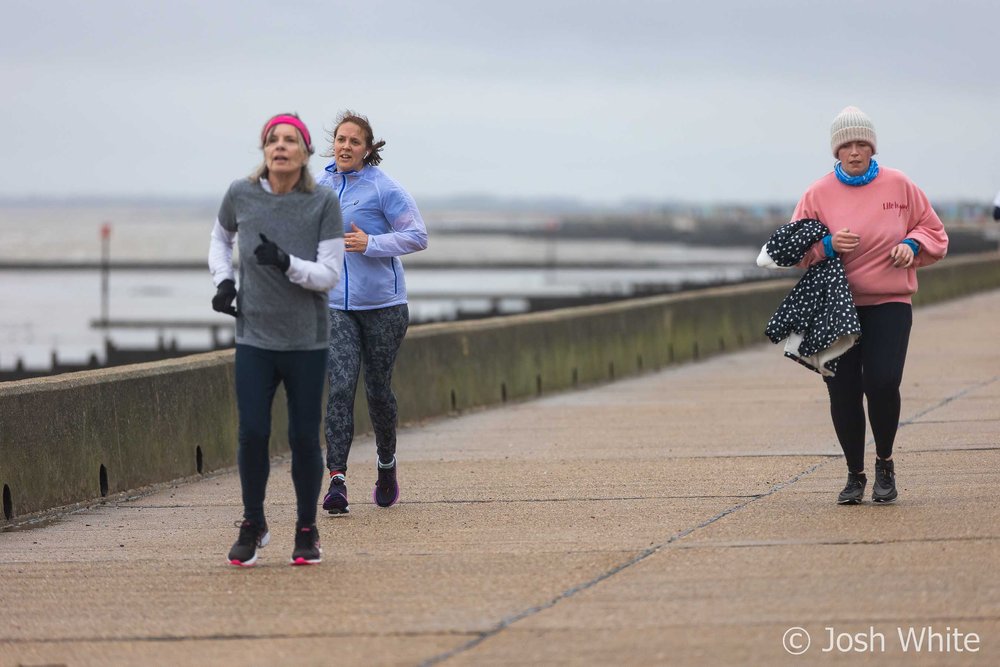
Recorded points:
(347,277)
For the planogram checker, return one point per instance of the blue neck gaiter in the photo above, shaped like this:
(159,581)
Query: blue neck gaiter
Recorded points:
(863,179)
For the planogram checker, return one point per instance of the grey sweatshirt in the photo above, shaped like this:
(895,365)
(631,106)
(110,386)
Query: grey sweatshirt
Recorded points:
(274,313)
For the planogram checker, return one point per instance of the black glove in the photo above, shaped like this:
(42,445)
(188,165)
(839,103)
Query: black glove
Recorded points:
(222,302)
(268,253)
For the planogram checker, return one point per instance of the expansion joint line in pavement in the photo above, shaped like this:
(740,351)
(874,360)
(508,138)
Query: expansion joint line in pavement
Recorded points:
(568,593)
(643,555)
(957,395)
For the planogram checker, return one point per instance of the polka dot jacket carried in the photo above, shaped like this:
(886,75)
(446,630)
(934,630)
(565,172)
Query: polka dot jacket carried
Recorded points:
(817,320)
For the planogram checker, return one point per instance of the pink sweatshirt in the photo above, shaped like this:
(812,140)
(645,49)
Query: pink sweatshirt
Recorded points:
(883,213)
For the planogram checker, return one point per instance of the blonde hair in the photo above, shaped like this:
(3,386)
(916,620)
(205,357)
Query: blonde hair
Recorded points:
(306,182)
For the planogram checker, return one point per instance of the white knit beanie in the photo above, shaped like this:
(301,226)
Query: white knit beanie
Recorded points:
(851,124)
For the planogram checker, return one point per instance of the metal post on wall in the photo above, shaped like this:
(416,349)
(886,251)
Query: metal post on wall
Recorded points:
(551,228)
(105,268)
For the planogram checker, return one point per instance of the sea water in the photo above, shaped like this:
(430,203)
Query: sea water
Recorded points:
(46,311)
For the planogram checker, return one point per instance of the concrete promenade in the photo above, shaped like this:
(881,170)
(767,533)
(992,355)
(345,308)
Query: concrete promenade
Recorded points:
(686,516)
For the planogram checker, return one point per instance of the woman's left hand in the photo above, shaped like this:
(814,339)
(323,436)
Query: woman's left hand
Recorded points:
(902,256)
(355,240)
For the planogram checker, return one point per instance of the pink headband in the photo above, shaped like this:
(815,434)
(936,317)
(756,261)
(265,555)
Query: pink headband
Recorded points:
(291,120)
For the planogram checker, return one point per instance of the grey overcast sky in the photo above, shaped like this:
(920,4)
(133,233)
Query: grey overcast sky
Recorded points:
(721,100)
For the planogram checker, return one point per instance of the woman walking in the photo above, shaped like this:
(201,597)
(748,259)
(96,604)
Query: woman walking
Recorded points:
(883,228)
(291,250)
(368,308)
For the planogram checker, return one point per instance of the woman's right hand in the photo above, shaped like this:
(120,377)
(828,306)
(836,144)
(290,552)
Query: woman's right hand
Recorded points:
(844,241)
(225,294)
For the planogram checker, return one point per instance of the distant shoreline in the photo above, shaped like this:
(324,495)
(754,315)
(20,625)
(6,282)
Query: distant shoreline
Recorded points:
(456,265)
(475,203)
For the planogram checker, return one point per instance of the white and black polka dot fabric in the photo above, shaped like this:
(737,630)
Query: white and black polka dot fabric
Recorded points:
(819,311)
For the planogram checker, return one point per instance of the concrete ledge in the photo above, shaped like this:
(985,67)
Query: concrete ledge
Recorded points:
(85,435)
(953,278)
(81,436)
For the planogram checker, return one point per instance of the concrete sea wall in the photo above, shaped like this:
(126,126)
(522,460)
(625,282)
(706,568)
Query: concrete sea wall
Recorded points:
(81,436)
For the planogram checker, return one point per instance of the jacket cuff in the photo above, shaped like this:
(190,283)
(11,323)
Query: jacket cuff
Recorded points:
(828,246)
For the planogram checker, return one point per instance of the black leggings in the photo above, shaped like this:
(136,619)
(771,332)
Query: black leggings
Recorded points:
(258,374)
(873,369)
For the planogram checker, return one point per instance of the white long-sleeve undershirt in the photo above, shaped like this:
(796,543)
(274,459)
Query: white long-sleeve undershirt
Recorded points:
(319,276)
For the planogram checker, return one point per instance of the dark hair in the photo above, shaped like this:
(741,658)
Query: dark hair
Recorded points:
(374,148)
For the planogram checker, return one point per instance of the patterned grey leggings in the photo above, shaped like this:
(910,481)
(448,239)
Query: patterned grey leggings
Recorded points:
(371,337)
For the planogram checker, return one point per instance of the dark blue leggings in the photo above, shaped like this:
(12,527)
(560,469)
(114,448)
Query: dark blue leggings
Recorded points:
(258,373)
(872,369)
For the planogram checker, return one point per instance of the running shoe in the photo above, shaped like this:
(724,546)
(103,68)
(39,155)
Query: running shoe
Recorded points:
(855,489)
(884,488)
(386,491)
(307,550)
(335,500)
(253,536)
